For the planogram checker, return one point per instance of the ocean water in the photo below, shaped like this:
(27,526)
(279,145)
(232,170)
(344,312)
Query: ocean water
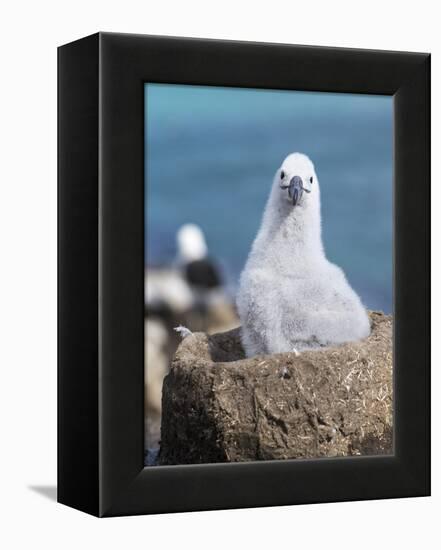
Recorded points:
(211,154)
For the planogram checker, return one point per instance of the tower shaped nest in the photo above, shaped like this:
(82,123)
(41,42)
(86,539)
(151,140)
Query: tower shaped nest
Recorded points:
(219,406)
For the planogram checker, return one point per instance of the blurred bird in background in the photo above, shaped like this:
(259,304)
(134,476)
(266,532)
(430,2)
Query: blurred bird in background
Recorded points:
(199,270)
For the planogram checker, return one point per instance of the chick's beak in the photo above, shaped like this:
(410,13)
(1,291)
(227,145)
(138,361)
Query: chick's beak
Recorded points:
(295,189)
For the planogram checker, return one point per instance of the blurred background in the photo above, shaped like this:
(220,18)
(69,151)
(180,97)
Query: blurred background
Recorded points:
(211,154)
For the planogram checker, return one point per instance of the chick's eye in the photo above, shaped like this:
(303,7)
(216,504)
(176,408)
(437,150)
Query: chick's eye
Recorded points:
(282,175)
(310,179)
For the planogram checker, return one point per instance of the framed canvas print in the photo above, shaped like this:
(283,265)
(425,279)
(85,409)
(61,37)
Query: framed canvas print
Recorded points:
(244,271)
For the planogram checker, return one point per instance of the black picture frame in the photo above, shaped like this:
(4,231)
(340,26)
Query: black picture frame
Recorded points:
(101,274)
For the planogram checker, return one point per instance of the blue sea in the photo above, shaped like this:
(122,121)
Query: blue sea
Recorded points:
(211,154)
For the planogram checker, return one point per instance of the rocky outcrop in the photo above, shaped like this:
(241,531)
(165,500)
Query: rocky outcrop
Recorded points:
(219,406)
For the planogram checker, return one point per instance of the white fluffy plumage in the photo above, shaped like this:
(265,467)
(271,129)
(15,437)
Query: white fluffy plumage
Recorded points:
(291,298)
